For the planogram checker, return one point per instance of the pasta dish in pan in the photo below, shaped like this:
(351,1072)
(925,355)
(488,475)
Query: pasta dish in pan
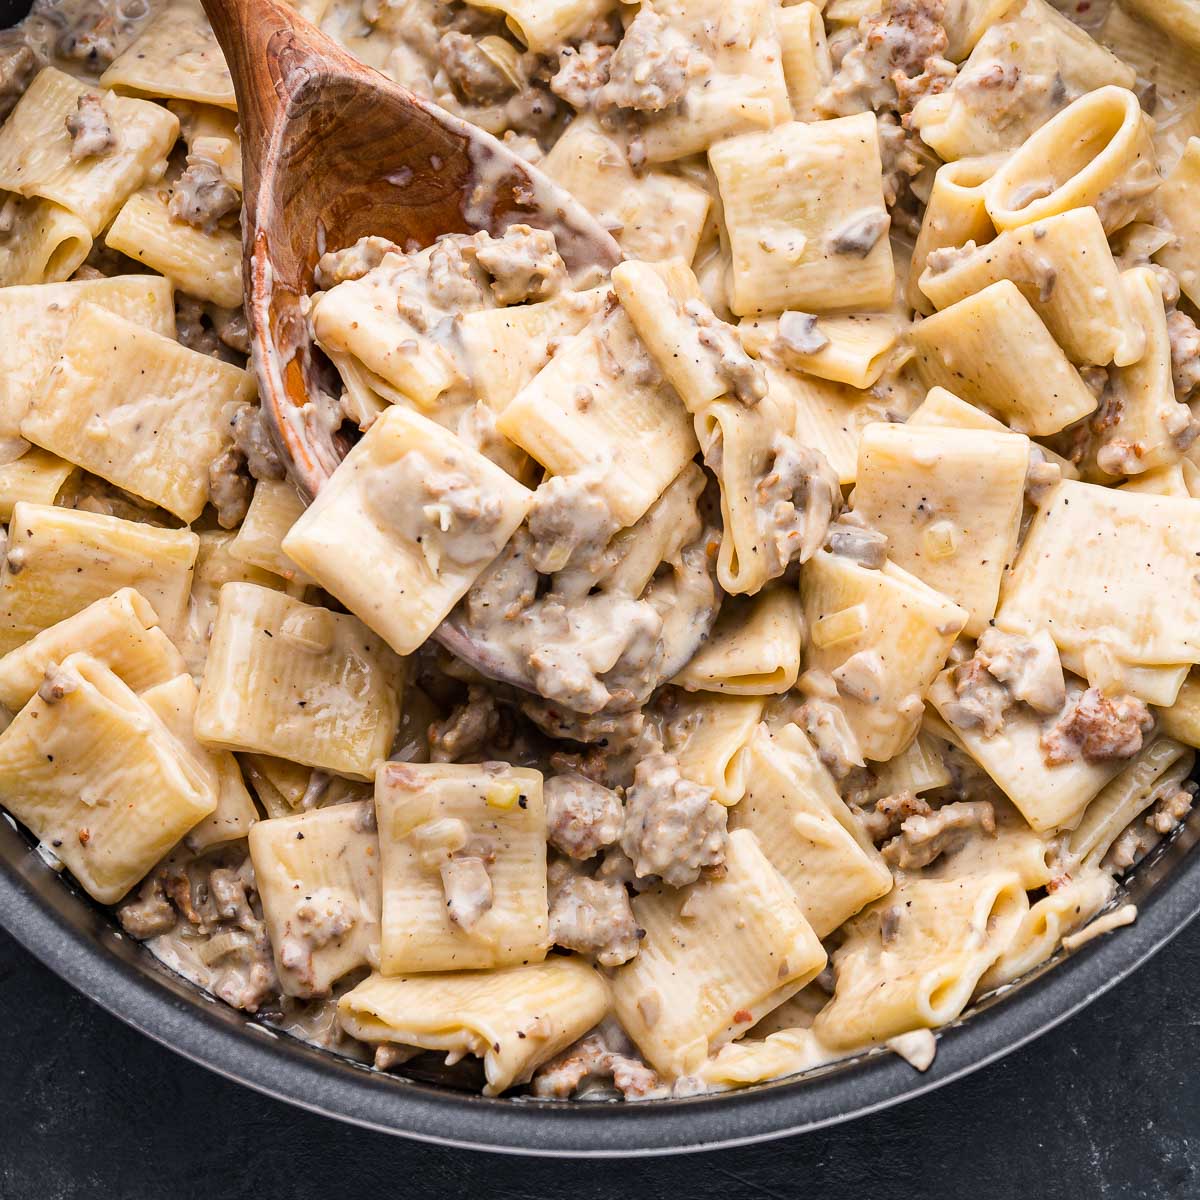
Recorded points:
(693,673)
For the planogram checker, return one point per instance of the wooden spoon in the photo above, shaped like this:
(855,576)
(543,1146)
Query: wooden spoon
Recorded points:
(334,151)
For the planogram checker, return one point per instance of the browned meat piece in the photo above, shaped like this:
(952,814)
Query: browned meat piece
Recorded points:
(570,524)
(560,1077)
(617,865)
(505,588)
(483,71)
(897,59)
(902,158)
(611,732)
(151,913)
(889,813)
(797,496)
(582,818)
(632,1078)
(861,677)
(1170,809)
(606,634)
(524,264)
(1029,667)
(90,40)
(591,1059)
(452,280)
(229,487)
(323,918)
(581,73)
(926,837)
(945,257)
(611,763)
(221,934)
(18,66)
(191,329)
(251,456)
(1167,810)
(1185,353)
(650,70)
(1128,848)
(179,887)
(673,828)
(593,917)
(468,729)
(201,196)
(797,333)
(826,726)
(250,436)
(91,134)
(352,262)
(981,699)
(228,892)
(248,989)
(1109,409)
(56,683)
(468,890)
(938,74)
(1097,728)
(743,375)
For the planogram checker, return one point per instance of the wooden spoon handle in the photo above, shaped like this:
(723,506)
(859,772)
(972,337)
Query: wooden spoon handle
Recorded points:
(272,57)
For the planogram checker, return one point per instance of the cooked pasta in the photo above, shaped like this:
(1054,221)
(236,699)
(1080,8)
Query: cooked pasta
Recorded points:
(692,673)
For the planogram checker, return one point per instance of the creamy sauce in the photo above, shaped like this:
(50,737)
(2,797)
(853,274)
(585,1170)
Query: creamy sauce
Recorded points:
(563,652)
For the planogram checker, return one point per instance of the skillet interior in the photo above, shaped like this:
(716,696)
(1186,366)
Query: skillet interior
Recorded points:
(80,941)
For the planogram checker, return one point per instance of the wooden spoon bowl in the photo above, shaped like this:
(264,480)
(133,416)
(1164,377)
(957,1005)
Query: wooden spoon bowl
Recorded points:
(334,151)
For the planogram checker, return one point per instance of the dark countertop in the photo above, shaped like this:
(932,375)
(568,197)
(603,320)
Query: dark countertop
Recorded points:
(1106,1106)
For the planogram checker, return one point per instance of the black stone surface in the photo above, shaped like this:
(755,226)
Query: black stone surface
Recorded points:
(1106,1106)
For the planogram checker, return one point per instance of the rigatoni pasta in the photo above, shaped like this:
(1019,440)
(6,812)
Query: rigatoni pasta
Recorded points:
(1097,152)
(587,409)
(415,536)
(176,57)
(319,877)
(690,672)
(60,560)
(137,409)
(38,154)
(993,349)
(35,321)
(299,681)
(714,960)
(514,1018)
(820,245)
(174,703)
(806,830)
(879,637)
(1063,266)
(463,852)
(37,477)
(914,958)
(99,778)
(950,504)
(206,264)
(121,631)
(274,508)
(45,242)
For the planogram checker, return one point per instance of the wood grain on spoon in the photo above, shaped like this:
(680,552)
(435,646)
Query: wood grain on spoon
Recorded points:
(334,151)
